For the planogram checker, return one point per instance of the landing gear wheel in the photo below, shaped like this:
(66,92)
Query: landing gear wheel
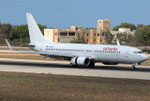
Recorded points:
(133,67)
(92,64)
(72,65)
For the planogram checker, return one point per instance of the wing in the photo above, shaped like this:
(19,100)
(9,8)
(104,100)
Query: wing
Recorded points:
(46,54)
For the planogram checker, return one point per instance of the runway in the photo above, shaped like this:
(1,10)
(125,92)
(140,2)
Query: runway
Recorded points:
(63,68)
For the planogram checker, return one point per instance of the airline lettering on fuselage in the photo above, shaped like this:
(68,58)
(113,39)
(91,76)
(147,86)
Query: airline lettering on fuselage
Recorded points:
(110,49)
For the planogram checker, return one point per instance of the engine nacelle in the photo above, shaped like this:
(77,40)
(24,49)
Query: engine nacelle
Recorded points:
(83,61)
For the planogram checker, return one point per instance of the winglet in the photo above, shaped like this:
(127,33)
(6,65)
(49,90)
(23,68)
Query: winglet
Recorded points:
(118,44)
(9,46)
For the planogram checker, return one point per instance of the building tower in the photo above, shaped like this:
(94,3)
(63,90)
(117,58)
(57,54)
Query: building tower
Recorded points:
(102,26)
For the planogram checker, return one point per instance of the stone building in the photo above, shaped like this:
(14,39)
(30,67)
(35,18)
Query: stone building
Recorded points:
(102,26)
(92,36)
(123,31)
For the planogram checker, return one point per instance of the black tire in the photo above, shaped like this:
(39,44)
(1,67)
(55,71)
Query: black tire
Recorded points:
(92,64)
(72,65)
(133,67)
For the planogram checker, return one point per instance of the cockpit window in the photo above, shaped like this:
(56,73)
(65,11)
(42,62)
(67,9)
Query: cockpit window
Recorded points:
(137,52)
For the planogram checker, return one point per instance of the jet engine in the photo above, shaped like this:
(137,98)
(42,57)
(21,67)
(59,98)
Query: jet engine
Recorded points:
(83,61)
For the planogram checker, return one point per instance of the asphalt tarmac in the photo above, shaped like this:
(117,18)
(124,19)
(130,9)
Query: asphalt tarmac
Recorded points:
(63,68)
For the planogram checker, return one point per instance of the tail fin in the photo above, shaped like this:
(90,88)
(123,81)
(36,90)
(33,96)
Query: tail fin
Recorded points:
(34,31)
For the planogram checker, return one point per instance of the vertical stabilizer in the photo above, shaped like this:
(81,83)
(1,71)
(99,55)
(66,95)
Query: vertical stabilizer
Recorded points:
(35,34)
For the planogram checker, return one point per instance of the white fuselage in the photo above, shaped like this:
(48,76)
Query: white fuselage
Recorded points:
(100,53)
(82,54)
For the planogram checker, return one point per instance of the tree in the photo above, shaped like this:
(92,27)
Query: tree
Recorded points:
(142,36)
(20,33)
(139,25)
(108,37)
(130,39)
(125,38)
(5,30)
(125,25)
(42,27)
(121,37)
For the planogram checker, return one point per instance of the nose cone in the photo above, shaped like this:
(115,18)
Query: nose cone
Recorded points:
(144,57)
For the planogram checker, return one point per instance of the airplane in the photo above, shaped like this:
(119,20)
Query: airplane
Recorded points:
(82,54)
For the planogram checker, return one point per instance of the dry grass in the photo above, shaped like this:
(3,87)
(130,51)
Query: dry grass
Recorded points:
(42,87)
(14,47)
(25,56)
(146,63)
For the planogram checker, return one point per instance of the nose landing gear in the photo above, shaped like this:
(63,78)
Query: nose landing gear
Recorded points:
(134,66)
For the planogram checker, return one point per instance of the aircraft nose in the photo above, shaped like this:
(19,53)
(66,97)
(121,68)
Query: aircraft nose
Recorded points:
(144,57)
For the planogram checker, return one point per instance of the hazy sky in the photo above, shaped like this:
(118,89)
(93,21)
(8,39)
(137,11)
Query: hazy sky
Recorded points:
(64,13)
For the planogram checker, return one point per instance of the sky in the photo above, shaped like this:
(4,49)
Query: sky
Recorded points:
(66,13)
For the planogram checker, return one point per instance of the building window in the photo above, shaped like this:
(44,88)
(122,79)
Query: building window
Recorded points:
(71,33)
(58,40)
(63,33)
(98,34)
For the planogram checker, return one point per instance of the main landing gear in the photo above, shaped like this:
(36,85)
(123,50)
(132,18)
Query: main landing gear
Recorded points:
(92,64)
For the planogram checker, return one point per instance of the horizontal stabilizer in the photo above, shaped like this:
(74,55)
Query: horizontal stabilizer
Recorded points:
(9,46)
